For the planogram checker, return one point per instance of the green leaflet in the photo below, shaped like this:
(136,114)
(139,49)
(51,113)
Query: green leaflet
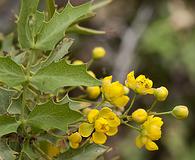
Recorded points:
(51,116)
(5,99)
(27,9)
(74,105)
(6,153)
(53,30)
(60,74)
(27,149)
(8,125)
(59,52)
(15,106)
(10,72)
(87,152)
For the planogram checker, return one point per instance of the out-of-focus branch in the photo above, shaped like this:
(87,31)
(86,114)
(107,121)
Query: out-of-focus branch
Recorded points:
(125,59)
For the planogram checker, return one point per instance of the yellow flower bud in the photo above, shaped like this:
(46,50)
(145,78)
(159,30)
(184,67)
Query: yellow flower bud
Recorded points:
(126,90)
(161,93)
(180,112)
(74,140)
(93,92)
(139,116)
(77,62)
(98,52)
(91,73)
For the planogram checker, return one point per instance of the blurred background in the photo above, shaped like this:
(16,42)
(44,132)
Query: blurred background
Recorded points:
(155,38)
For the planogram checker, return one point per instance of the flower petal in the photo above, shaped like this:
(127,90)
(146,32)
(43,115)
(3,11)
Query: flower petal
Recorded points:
(99,138)
(151,146)
(139,142)
(112,131)
(92,116)
(85,129)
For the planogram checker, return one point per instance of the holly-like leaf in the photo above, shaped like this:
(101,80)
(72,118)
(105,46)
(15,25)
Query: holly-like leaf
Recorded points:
(15,106)
(61,74)
(27,149)
(5,152)
(51,116)
(53,30)
(74,105)
(27,10)
(87,152)
(59,52)
(5,99)
(10,72)
(8,125)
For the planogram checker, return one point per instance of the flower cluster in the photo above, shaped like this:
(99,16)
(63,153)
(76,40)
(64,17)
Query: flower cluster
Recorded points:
(114,92)
(150,131)
(102,121)
(100,124)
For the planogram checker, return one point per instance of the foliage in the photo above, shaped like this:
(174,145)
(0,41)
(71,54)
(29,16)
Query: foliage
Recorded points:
(38,119)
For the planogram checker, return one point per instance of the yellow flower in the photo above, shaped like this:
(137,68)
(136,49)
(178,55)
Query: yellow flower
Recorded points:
(103,123)
(150,131)
(110,116)
(180,112)
(161,93)
(99,52)
(139,116)
(52,150)
(93,92)
(74,140)
(140,85)
(99,138)
(77,62)
(114,92)
(93,115)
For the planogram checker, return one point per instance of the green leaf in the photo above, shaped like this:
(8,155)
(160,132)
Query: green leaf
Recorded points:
(61,74)
(51,116)
(8,125)
(7,43)
(27,149)
(53,30)
(5,99)
(37,23)
(82,30)
(27,9)
(59,52)
(74,105)
(87,152)
(15,106)
(5,152)
(50,7)
(10,72)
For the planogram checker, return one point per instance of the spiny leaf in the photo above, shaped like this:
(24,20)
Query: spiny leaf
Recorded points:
(59,52)
(6,153)
(5,99)
(8,125)
(74,105)
(53,30)
(10,72)
(61,74)
(27,149)
(51,116)
(28,8)
(15,106)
